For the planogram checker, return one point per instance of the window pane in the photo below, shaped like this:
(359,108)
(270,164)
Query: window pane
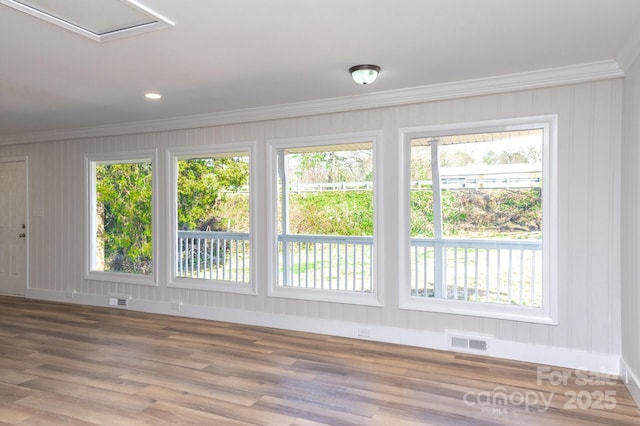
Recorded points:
(476,217)
(123,218)
(331,193)
(326,217)
(213,217)
(421,197)
(492,188)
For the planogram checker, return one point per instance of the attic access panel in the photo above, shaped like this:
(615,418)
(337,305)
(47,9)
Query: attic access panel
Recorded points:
(99,20)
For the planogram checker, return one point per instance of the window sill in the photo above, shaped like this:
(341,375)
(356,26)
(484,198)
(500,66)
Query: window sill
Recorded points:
(122,277)
(483,310)
(213,285)
(345,297)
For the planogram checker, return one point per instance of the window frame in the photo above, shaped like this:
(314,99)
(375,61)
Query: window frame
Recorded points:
(91,160)
(375,297)
(182,153)
(547,314)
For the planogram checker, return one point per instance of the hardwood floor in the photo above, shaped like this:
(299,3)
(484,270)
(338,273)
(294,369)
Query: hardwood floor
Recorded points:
(78,365)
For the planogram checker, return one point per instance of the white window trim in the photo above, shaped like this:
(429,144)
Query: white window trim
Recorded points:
(374,298)
(548,313)
(90,214)
(173,155)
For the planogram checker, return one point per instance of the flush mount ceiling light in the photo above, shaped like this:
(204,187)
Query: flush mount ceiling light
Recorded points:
(99,20)
(364,74)
(153,96)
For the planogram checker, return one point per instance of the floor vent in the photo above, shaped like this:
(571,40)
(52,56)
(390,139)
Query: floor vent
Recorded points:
(473,344)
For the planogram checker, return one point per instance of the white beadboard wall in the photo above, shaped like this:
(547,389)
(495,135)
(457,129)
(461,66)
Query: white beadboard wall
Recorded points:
(588,333)
(630,225)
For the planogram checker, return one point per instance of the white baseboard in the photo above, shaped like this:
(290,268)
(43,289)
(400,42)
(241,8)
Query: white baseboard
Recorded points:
(631,380)
(555,356)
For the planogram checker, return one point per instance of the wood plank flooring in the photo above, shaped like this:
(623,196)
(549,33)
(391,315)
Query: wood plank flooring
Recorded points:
(81,365)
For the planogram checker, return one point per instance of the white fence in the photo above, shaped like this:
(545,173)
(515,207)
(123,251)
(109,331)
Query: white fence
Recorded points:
(469,181)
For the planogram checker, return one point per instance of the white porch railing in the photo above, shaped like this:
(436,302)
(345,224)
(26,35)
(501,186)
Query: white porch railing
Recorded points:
(213,255)
(326,262)
(493,271)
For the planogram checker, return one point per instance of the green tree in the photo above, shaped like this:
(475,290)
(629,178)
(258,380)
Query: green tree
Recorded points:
(333,166)
(420,162)
(511,157)
(124,205)
(312,167)
(123,196)
(455,158)
(202,185)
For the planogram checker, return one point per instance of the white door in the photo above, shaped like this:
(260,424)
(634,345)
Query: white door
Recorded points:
(13,224)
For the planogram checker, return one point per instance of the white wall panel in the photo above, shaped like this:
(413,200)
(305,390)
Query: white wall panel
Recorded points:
(578,200)
(589,206)
(630,225)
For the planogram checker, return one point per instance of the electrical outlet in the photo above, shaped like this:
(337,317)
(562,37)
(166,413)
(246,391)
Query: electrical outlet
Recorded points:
(624,374)
(364,332)
(175,305)
(119,302)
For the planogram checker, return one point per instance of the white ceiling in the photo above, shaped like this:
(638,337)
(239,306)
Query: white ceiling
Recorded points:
(228,55)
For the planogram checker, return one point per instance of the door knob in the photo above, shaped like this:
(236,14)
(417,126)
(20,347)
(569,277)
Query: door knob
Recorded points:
(22,235)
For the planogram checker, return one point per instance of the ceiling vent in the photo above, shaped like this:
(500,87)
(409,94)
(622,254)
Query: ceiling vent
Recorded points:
(99,20)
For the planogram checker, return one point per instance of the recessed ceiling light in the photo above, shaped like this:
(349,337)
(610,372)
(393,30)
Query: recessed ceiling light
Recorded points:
(154,96)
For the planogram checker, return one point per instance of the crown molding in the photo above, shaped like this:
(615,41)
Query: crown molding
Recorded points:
(491,85)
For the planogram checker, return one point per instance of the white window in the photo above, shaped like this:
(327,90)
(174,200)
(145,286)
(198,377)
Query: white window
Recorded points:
(121,217)
(211,202)
(478,215)
(323,196)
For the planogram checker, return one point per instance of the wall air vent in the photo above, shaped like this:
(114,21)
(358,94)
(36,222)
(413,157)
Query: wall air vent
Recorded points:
(478,345)
(459,342)
(468,343)
(99,20)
